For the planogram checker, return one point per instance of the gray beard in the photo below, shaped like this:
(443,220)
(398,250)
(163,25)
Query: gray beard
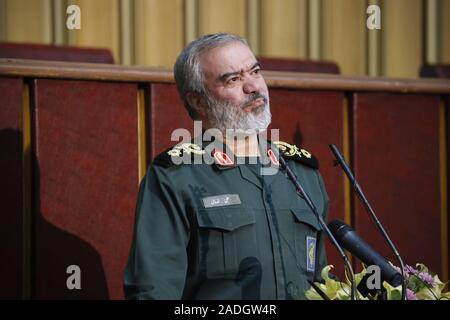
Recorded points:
(228,117)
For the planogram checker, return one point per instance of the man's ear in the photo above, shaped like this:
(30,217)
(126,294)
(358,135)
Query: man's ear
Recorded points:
(196,102)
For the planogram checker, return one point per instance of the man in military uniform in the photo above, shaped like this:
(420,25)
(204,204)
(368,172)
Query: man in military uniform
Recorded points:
(211,223)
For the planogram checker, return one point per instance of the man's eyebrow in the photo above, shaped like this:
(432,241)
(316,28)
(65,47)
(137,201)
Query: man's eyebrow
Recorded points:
(256,65)
(229,74)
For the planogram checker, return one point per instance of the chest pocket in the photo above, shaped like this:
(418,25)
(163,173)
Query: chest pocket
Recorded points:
(226,236)
(306,231)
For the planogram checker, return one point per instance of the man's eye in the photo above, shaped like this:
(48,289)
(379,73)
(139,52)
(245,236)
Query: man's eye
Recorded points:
(256,71)
(233,80)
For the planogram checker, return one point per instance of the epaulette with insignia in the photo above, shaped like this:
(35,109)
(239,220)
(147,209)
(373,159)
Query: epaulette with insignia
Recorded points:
(183,153)
(293,152)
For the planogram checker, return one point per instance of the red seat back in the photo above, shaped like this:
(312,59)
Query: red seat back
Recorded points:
(297,65)
(55,53)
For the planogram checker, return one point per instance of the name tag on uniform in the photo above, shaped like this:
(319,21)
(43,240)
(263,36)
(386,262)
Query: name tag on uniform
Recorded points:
(310,254)
(221,200)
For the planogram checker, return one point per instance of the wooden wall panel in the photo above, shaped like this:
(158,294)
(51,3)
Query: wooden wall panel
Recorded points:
(284,28)
(396,161)
(344,35)
(11,189)
(100,25)
(444,29)
(3,23)
(167,113)
(28,21)
(402,38)
(126,18)
(86,179)
(445,190)
(431,19)
(315,119)
(59,18)
(158,29)
(222,16)
(373,46)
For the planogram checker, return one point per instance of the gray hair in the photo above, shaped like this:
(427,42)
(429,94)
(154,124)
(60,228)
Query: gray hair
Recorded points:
(187,70)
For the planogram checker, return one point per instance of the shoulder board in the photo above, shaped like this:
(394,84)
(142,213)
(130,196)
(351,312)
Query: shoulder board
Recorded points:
(179,154)
(298,154)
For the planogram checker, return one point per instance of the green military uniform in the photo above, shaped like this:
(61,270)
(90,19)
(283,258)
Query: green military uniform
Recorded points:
(221,231)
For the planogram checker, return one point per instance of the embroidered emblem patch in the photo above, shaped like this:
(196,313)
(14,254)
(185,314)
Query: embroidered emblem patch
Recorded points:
(189,148)
(273,157)
(310,254)
(292,150)
(222,159)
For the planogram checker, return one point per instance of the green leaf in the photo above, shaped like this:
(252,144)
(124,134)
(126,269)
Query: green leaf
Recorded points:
(393,293)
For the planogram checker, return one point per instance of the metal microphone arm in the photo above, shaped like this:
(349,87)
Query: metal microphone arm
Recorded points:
(302,193)
(340,159)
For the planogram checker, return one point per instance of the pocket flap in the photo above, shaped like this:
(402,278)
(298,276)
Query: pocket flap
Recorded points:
(227,219)
(306,216)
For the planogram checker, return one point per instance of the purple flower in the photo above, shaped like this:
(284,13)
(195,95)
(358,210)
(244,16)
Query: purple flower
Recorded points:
(410,270)
(410,295)
(427,278)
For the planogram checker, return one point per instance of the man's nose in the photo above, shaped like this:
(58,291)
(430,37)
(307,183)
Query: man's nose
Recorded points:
(251,85)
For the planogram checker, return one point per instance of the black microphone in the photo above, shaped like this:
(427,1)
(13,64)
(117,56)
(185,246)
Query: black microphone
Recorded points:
(341,161)
(351,241)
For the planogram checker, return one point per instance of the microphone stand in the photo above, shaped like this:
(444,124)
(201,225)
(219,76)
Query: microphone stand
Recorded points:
(340,160)
(301,192)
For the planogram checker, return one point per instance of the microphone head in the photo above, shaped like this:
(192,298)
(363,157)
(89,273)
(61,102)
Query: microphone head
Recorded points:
(350,240)
(339,228)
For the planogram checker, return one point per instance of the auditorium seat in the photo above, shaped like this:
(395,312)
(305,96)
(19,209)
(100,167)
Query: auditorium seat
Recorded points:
(435,71)
(55,53)
(298,65)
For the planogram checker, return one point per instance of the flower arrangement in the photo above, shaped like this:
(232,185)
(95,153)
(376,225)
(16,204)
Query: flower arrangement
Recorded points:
(421,285)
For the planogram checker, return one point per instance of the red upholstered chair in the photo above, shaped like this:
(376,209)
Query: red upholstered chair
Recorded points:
(435,71)
(297,65)
(55,53)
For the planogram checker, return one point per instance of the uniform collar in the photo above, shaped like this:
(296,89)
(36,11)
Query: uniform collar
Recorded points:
(224,159)
(270,166)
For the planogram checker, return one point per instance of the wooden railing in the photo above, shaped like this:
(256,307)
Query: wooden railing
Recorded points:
(76,138)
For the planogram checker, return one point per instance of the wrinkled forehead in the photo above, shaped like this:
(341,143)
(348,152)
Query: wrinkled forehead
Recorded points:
(228,58)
